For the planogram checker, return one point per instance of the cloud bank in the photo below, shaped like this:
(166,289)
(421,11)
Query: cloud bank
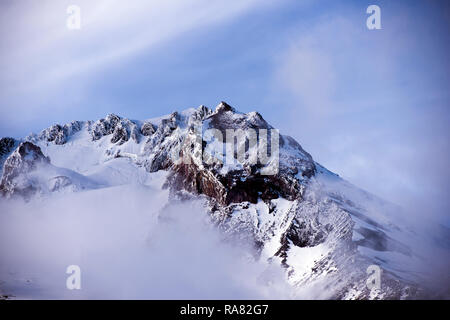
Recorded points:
(128,245)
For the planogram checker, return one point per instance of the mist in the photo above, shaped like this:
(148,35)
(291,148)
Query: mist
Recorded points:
(128,244)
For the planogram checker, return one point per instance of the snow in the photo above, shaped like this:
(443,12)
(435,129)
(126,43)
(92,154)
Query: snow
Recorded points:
(303,260)
(357,236)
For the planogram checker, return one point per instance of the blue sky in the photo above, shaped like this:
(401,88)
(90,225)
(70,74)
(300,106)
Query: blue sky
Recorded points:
(371,105)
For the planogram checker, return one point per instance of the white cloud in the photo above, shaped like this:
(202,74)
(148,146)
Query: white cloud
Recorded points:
(128,246)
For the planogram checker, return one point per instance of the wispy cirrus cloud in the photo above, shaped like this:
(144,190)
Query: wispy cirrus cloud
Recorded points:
(111,30)
(42,59)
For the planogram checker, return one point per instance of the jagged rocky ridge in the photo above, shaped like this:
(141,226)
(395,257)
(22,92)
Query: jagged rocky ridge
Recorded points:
(26,158)
(283,214)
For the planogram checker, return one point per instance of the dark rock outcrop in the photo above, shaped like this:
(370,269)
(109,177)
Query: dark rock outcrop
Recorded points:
(147,129)
(26,158)
(104,127)
(60,134)
(121,129)
(6,146)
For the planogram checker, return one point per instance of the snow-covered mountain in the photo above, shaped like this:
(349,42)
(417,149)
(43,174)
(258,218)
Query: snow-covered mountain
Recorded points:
(322,231)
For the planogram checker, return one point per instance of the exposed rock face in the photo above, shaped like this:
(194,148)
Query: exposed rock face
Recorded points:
(59,134)
(26,158)
(6,146)
(105,126)
(226,117)
(232,187)
(121,129)
(148,129)
(56,133)
(163,143)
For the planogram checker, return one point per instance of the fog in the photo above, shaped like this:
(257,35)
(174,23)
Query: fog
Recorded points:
(127,245)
